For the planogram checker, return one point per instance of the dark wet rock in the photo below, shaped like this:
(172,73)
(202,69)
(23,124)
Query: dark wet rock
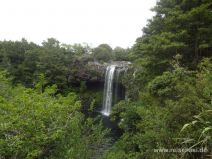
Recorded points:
(92,71)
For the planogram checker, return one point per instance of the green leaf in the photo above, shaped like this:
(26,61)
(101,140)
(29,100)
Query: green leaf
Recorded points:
(206,129)
(185,126)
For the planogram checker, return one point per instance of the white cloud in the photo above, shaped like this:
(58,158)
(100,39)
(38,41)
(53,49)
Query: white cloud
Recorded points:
(116,22)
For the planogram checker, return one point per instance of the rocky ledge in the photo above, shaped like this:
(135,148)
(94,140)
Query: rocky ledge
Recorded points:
(92,71)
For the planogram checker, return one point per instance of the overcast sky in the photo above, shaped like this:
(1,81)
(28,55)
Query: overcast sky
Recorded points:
(115,22)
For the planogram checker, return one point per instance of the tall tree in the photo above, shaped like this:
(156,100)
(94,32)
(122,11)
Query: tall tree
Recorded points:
(103,52)
(179,27)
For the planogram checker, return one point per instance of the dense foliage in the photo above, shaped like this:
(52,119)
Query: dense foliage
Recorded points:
(45,111)
(170,94)
(25,61)
(36,123)
(169,102)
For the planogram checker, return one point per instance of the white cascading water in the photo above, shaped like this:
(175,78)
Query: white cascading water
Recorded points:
(117,72)
(108,90)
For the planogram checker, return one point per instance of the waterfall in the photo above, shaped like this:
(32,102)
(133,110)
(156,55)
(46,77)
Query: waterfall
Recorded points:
(118,71)
(108,90)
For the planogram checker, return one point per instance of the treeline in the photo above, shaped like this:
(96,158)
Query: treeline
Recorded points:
(26,60)
(170,87)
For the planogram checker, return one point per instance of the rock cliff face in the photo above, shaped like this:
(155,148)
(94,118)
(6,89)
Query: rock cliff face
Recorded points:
(91,71)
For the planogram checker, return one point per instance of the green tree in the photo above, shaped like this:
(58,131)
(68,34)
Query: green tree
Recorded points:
(103,53)
(120,54)
(179,27)
(40,124)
